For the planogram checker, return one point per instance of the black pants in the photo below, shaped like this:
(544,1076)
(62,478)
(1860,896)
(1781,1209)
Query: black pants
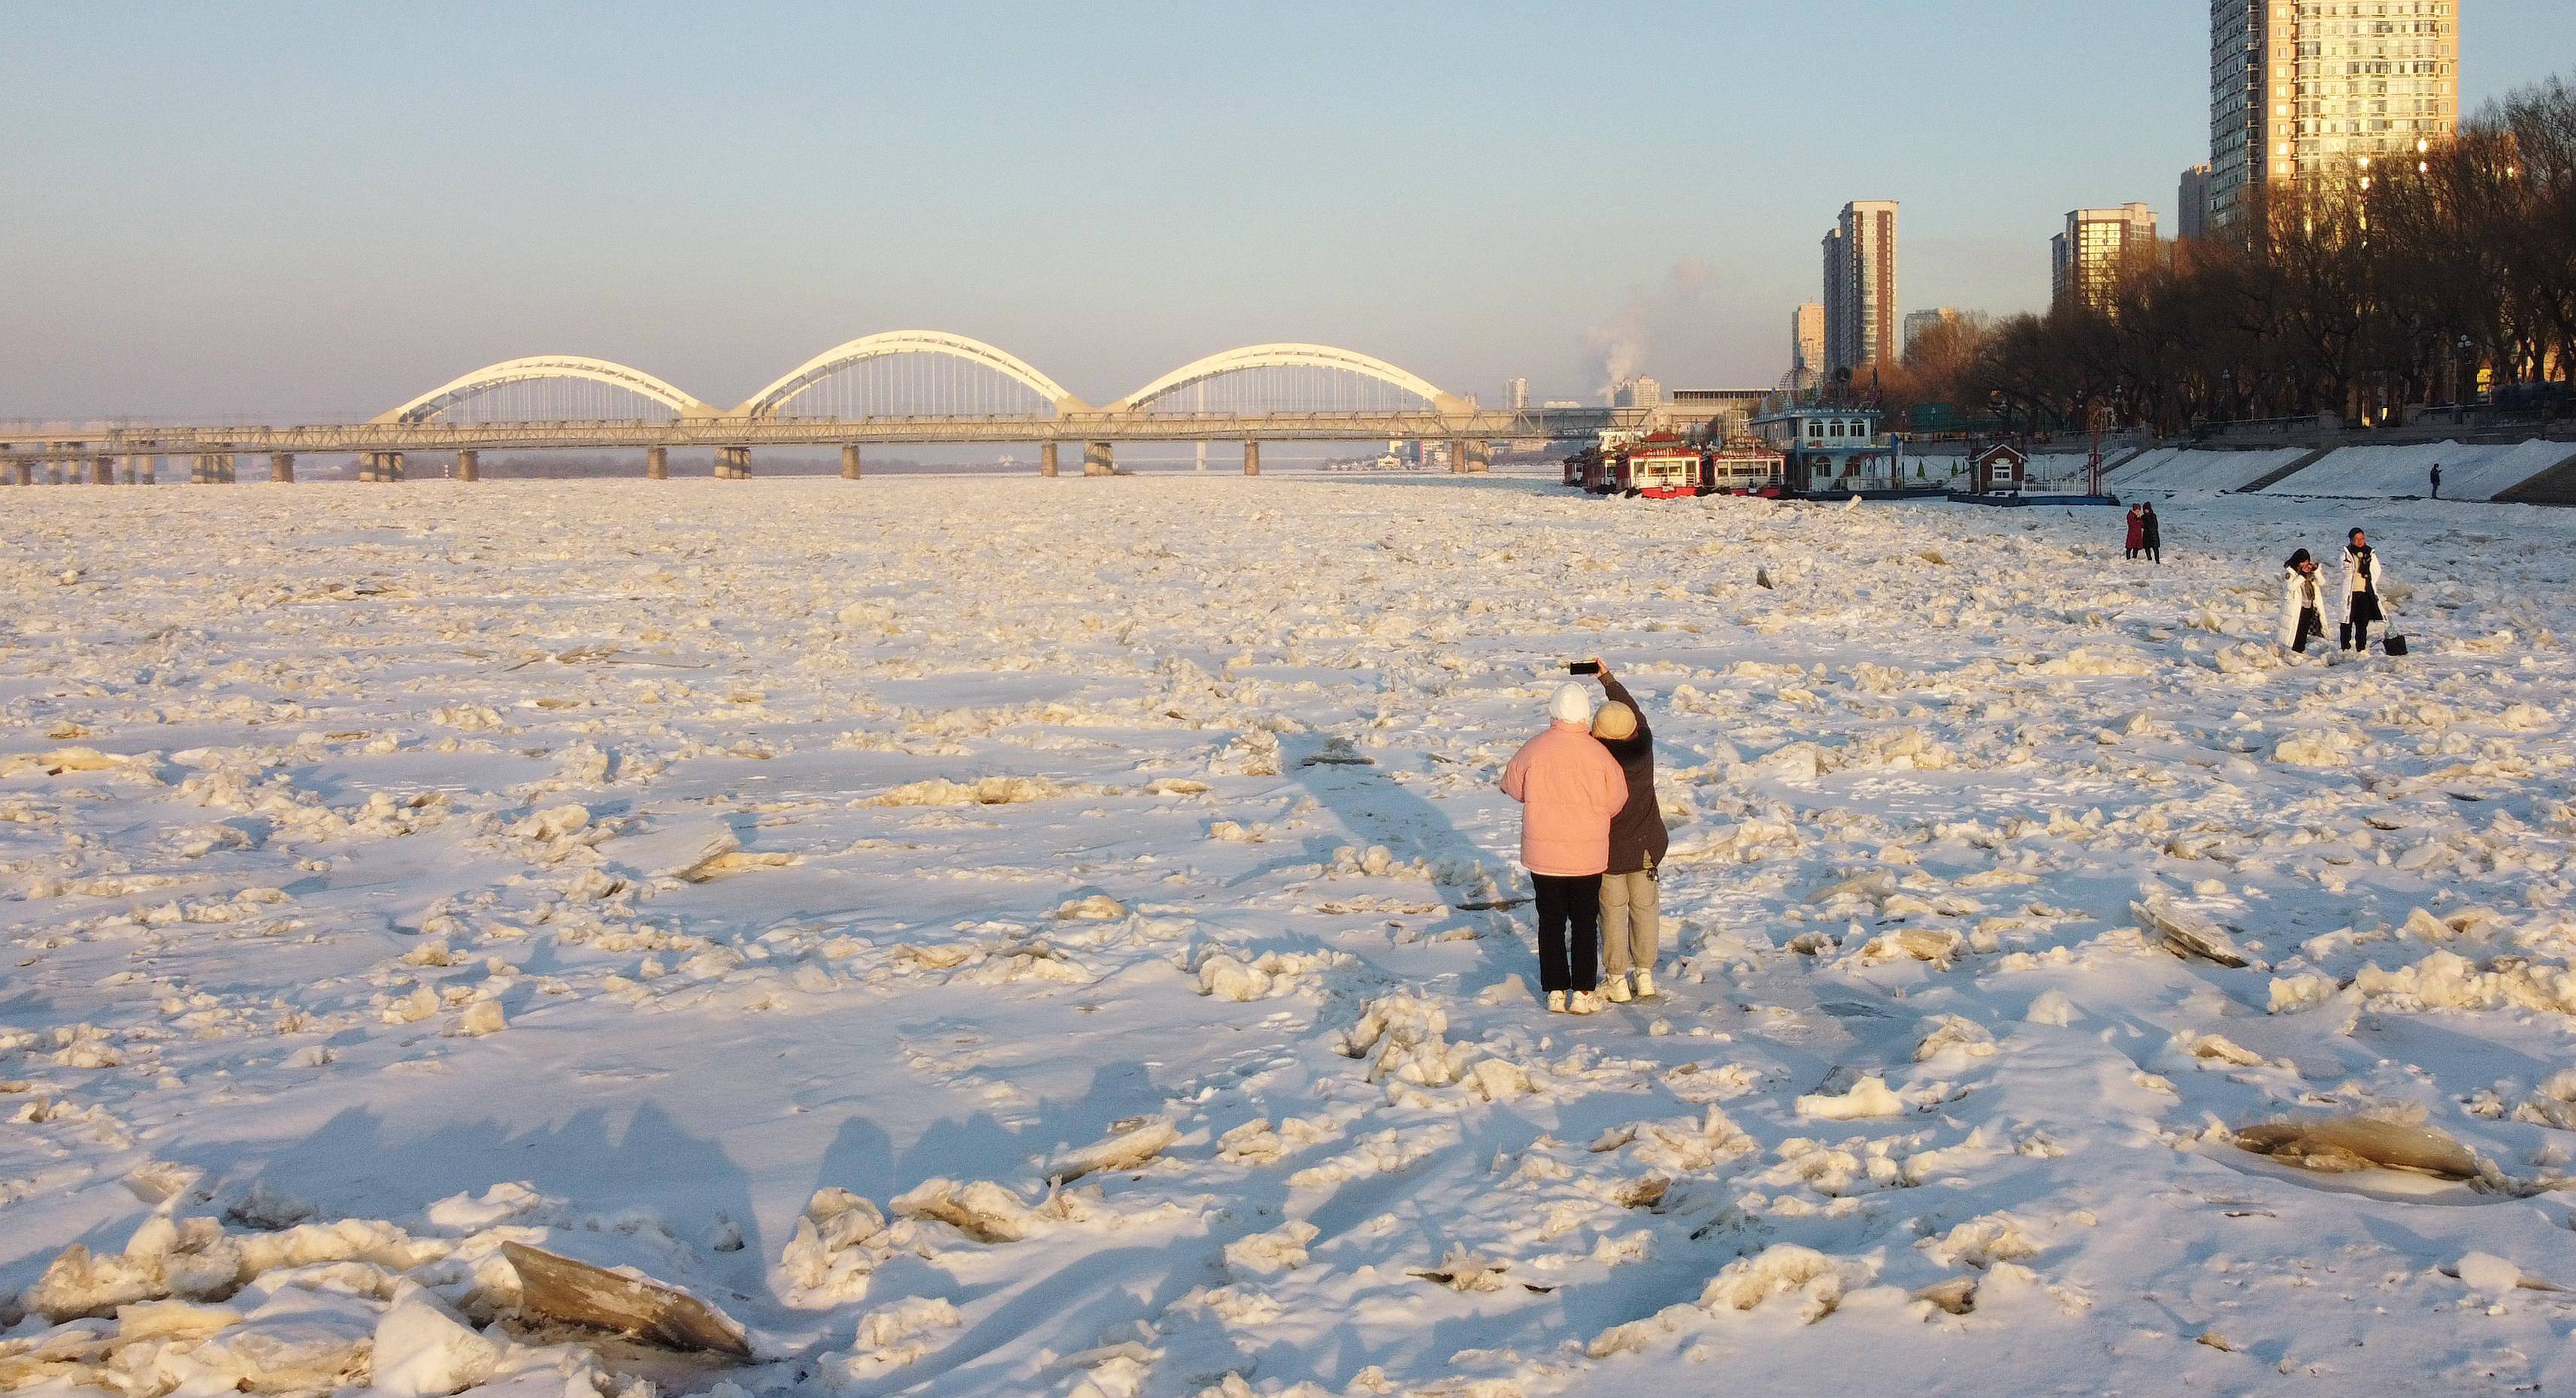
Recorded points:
(2155,553)
(1569,931)
(2360,610)
(2312,627)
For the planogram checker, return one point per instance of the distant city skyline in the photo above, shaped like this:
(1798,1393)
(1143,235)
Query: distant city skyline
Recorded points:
(307,210)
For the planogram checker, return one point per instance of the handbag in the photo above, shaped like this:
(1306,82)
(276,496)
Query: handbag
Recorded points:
(2393,643)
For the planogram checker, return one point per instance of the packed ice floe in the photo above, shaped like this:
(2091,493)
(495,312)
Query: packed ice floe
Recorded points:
(1007,937)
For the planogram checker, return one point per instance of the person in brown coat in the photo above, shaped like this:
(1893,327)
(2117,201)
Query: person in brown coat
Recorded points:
(1631,905)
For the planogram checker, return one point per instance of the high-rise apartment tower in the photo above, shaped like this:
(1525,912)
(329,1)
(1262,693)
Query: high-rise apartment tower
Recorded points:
(2301,91)
(2087,260)
(1807,344)
(1860,286)
(2191,204)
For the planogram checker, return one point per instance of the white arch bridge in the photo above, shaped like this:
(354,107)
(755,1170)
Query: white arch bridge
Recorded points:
(896,387)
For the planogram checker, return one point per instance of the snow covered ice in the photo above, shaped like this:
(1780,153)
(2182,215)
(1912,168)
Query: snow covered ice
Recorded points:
(1054,937)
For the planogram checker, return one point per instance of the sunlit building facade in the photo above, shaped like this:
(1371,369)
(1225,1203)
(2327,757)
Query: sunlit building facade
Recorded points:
(2087,260)
(1860,286)
(2303,89)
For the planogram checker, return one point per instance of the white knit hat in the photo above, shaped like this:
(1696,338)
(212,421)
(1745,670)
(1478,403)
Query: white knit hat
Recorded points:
(1571,703)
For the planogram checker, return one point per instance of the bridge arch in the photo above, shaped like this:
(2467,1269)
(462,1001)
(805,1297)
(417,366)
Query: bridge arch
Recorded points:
(1286,356)
(548,366)
(768,401)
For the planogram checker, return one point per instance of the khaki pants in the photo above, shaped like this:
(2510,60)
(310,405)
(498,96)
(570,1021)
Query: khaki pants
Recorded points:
(1632,923)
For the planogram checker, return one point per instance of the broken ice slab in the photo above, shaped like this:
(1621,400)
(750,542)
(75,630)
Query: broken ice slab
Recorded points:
(558,1288)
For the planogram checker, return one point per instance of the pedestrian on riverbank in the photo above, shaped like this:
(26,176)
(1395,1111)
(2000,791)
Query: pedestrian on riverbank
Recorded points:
(2437,480)
(2303,616)
(2137,529)
(2153,533)
(2362,585)
(1569,787)
(1632,924)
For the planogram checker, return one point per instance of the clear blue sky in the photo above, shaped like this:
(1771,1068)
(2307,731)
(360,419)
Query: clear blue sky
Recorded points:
(294,210)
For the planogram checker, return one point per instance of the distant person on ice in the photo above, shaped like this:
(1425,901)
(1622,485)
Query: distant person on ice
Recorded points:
(2137,529)
(1631,911)
(2152,532)
(2303,602)
(2437,480)
(2361,590)
(1568,786)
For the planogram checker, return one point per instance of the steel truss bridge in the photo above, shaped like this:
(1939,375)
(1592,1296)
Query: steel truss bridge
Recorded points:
(908,387)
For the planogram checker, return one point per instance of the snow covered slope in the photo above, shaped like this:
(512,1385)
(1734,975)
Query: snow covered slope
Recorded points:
(1018,936)
(2387,472)
(2183,469)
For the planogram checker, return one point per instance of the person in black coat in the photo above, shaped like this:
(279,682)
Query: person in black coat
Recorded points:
(1631,908)
(2153,530)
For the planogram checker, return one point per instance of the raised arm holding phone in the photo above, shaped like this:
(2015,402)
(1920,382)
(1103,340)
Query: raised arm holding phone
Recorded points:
(1631,908)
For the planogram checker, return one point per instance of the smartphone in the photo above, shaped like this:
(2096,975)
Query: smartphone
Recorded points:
(1584,667)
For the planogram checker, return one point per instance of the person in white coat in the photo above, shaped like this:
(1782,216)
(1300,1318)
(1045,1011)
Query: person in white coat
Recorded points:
(2303,603)
(2363,584)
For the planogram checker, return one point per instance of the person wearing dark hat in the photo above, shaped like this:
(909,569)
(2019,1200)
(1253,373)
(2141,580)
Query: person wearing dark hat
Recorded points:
(2303,615)
(2362,583)
(1632,922)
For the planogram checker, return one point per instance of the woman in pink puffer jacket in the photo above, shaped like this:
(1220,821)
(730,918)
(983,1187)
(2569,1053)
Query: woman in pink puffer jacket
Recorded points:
(1568,786)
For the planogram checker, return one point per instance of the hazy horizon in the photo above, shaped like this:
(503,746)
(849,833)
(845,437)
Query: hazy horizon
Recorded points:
(308,211)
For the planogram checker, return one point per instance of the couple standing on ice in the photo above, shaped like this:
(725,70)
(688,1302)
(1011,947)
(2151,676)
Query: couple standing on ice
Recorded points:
(1591,836)
(2303,597)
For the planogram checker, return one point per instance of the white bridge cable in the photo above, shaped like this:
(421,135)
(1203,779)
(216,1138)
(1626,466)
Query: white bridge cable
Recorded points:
(1288,388)
(913,384)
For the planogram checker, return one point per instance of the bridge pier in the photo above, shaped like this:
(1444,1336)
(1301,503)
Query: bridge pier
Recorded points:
(224,463)
(849,461)
(1251,458)
(1046,458)
(733,463)
(469,465)
(102,471)
(1096,460)
(281,467)
(657,463)
(384,466)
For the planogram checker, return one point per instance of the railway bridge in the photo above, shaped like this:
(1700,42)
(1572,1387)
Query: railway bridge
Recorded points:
(897,387)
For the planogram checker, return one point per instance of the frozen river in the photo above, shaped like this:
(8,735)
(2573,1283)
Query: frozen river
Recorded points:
(1104,884)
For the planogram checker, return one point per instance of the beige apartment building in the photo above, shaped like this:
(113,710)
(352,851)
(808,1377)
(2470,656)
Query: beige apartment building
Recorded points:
(1860,286)
(2086,261)
(1807,345)
(2304,90)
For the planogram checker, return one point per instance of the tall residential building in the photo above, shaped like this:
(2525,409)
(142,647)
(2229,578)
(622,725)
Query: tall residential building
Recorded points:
(1860,286)
(1807,344)
(1639,392)
(2191,203)
(1916,322)
(1516,394)
(2300,90)
(2085,261)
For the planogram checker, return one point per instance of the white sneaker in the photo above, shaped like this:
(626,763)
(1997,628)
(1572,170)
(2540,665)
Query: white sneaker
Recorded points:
(1615,990)
(1645,984)
(1584,1003)
(1556,1002)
